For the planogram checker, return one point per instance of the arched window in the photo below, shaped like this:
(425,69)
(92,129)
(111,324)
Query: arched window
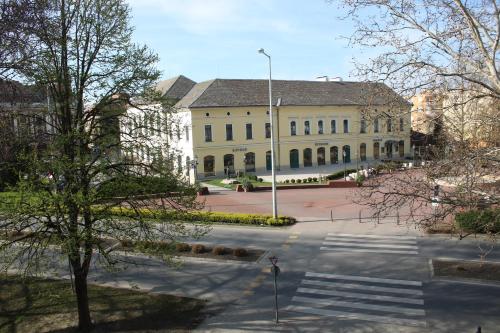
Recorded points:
(346,154)
(321,156)
(375,125)
(209,165)
(362,152)
(334,155)
(333,126)
(346,126)
(250,162)
(320,126)
(294,158)
(229,164)
(401,148)
(308,157)
(293,128)
(376,150)
(307,127)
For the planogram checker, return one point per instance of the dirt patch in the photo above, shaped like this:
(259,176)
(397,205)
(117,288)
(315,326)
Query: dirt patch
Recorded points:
(467,269)
(161,248)
(441,228)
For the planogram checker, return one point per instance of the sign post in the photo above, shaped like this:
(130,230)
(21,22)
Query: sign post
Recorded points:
(275,270)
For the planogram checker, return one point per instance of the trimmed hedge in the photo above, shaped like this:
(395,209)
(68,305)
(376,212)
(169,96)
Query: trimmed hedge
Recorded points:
(217,217)
(133,185)
(484,221)
(339,174)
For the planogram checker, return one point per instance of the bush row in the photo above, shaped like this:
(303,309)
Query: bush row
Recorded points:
(218,217)
(298,181)
(340,174)
(484,221)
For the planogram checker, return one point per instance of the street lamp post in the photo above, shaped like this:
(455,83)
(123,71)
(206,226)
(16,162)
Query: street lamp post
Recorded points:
(273,162)
(343,158)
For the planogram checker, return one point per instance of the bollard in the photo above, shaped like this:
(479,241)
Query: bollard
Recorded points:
(397,215)
(359,216)
(478,329)
(331,215)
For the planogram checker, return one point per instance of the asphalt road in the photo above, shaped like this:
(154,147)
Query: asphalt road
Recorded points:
(341,276)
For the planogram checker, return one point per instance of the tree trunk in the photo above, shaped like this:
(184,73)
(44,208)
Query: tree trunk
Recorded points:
(82,299)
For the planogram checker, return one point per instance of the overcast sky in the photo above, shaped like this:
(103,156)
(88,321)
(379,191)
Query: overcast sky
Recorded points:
(207,39)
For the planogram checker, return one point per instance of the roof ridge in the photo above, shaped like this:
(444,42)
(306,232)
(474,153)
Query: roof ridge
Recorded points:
(204,91)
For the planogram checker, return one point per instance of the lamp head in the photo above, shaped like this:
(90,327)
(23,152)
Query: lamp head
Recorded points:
(261,50)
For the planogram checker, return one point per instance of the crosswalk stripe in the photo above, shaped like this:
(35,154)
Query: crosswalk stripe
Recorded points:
(363,306)
(363,287)
(361,296)
(359,316)
(325,248)
(371,245)
(373,236)
(364,279)
(371,240)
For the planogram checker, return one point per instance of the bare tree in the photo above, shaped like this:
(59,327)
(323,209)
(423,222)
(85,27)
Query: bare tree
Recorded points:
(102,113)
(449,49)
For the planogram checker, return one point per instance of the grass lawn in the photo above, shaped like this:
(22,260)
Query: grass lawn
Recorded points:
(7,199)
(44,305)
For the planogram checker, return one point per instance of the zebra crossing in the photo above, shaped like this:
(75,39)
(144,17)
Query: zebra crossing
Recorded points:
(370,244)
(389,301)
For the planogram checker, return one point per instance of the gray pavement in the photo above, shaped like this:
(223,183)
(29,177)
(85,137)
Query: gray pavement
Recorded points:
(358,284)
(341,276)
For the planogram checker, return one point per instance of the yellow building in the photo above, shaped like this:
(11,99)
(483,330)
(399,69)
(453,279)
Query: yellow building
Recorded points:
(318,125)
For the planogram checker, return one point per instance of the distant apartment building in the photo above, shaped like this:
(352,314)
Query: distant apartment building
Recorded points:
(456,115)
(24,117)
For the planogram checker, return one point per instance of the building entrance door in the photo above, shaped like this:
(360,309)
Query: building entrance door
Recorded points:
(229,165)
(294,158)
(268,160)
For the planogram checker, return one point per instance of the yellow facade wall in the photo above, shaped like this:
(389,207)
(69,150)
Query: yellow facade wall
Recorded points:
(259,144)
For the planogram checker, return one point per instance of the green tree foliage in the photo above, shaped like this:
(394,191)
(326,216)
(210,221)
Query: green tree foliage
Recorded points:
(82,53)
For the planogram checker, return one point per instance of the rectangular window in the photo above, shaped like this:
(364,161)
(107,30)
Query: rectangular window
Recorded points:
(375,125)
(333,125)
(401,124)
(320,126)
(293,128)
(307,127)
(186,132)
(249,131)
(229,132)
(268,130)
(362,126)
(389,125)
(346,126)
(208,133)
